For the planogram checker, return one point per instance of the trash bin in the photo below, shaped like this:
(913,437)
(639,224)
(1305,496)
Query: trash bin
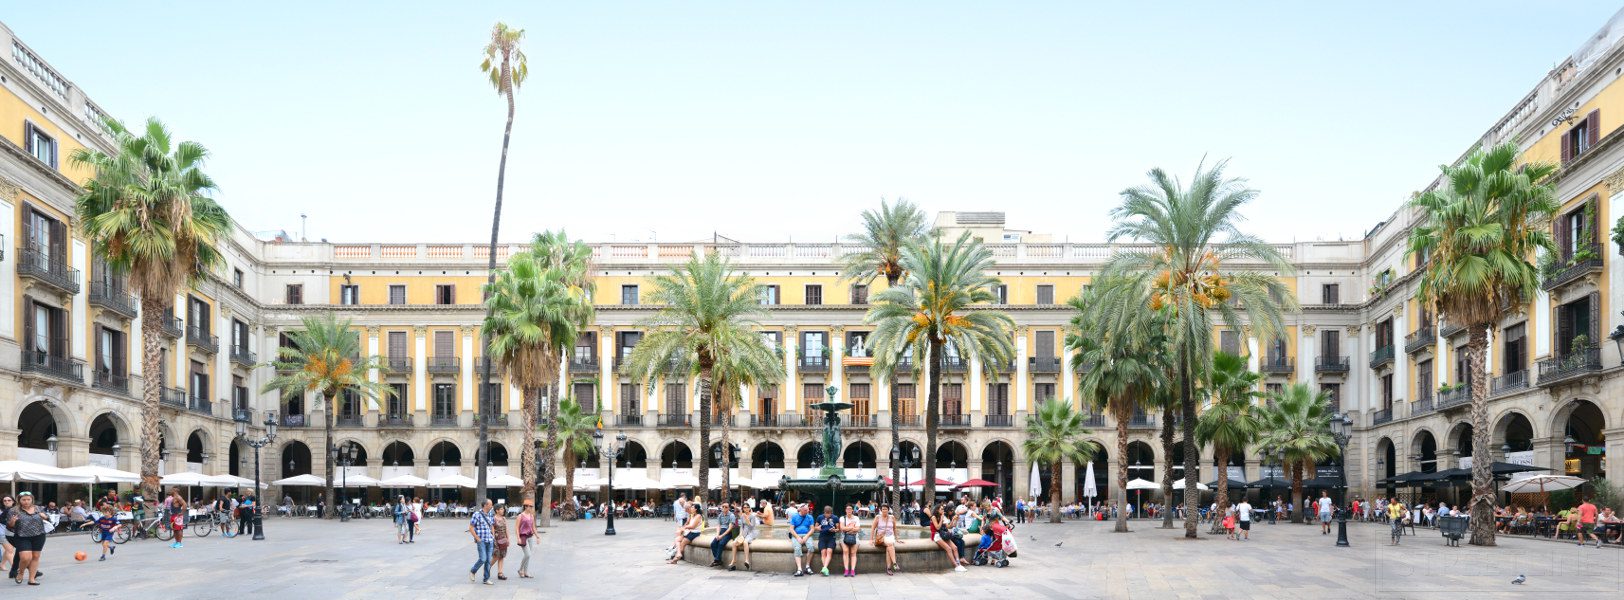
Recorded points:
(1453,529)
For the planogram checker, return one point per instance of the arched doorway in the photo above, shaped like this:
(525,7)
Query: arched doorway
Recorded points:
(1426,452)
(1584,451)
(197,451)
(106,440)
(998,466)
(295,459)
(1460,442)
(951,455)
(1386,463)
(445,454)
(498,455)
(767,455)
(1102,474)
(1141,461)
(714,456)
(1514,435)
(636,457)
(397,454)
(809,456)
(676,455)
(859,455)
(36,435)
(236,462)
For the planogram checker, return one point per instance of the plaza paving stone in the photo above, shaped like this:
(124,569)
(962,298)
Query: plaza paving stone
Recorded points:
(303,558)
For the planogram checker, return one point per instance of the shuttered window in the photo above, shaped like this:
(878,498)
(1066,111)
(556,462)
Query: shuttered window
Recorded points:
(676,399)
(39,145)
(998,399)
(630,402)
(1330,293)
(445,344)
(295,293)
(906,404)
(952,399)
(397,294)
(1045,340)
(814,294)
(1045,294)
(1582,137)
(445,294)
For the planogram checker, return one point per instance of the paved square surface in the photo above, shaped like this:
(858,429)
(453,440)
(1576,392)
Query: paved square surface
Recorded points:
(303,558)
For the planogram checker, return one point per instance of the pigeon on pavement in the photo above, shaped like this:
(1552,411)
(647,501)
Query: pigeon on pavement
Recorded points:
(1057,544)
(1519,580)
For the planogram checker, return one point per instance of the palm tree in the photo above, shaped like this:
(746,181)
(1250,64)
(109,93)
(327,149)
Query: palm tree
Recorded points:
(1052,436)
(886,232)
(1188,276)
(1122,358)
(1298,428)
(326,360)
(147,217)
(535,312)
(1231,421)
(707,313)
(1478,231)
(575,427)
(508,69)
(936,303)
(745,362)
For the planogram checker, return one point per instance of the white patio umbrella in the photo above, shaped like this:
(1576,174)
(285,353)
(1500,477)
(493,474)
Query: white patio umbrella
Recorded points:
(355,481)
(1541,484)
(16,471)
(1140,484)
(503,480)
(404,481)
(306,480)
(1034,487)
(452,480)
(187,479)
(678,481)
(105,475)
(1089,489)
(233,481)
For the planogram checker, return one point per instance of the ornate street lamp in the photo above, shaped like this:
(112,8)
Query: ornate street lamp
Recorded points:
(1342,430)
(906,460)
(727,463)
(256,444)
(611,451)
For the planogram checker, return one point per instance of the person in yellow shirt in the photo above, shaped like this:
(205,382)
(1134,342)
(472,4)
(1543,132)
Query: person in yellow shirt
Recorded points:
(1395,515)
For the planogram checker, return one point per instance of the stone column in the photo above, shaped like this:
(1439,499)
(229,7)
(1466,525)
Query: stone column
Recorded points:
(837,349)
(1068,386)
(1615,447)
(420,364)
(608,388)
(1020,382)
(977,390)
(791,382)
(1307,353)
(470,383)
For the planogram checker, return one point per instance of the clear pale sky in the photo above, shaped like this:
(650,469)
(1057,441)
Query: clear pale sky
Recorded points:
(766,121)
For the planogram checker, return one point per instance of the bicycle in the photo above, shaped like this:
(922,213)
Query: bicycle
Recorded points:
(204,526)
(155,527)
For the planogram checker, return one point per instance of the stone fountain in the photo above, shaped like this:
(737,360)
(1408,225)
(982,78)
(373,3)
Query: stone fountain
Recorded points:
(831,487)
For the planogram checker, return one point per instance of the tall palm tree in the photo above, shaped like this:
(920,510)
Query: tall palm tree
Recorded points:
(1189,276)
(326,359)
(1053,435)
(1298,428)
(1231,422)
(745,362)
(507,68)
(707,313)
(1479,231)
(147,216)
(886,232)
(576,424)
(1122,358)
(939,302)
(534,314)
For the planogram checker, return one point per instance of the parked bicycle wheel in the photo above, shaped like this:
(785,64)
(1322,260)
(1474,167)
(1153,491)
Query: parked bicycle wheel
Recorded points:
(163,531)
(202,527)
(122,534)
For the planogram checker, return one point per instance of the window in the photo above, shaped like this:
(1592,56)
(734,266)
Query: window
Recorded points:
(397,294)
(1272,390)
(1229,341)
(813,345)
(1331,344)
(773,339)
(1577,319)
(585,393)
(1043,391)
(769,400)
(1000,294)
(445,400)
(1045,342)
(904,393)
(239,393)
(1045,294)
(1423,379)
(857,344)
(39,145)
(998,399)
(397,346)
(1330,293)
(814,294)
(1515,354)
(1384,333)
(859,294)
(630,402)
(110,357)
(676,398)
(236,278)
(295,293)
(627,341)
(1576,230)
(239,336)
(1387,392)
(349,295)
(397,401)
(586,348)
(445,345)
(628,295)
(1333,394)
(445,294)
(811,393)
(859,398)
(769,295)
(1463,371)
(197,315)
(199,383)
(349,406)
(952,399)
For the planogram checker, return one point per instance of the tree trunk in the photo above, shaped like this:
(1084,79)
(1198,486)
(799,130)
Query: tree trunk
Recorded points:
(1297,492)
(1192,460)
(933,399)
(549,451)
(327,451)
(1122,474)
(727,446)
(154,311)
(1167,464)
(527,454)
(480,453)
(1222,495)
(896,433)
(1482,510)
(1054,491)
(566,510)
(704,426)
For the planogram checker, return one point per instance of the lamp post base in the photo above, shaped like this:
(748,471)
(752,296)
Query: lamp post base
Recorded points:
(1342,528)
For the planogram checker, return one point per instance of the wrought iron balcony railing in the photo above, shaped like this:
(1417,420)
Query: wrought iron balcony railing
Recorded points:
(1420,339)
(113,298)
(682,420)
(1331,364)
(56,367)
(1508,383)
(1575,364)
(244,356)
(172,326)
(444,365)
(109,381)
(1381,356)
(395,421)
(1382,416)
(1000,420)
(200,338)
(1275,365)
(1043,364)
(172,396)
(49,268)
(955,421)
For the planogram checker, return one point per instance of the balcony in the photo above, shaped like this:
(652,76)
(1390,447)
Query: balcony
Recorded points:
(56,367)
(683,420)
(764,421)
(1094,421)
(1420,339)
(1331,364)
(113,298)
(172,396)
(244,356)
(1043,364)
(813,364)
(859,421)
(954,421)
(1585,361)
(294,421)
(719,420)
(243,415)
(171,326)
(200,338)
(347,421)
(397,421)
(1451,330)
(443,420)
(1508,383)
(36,263)
(1000,420)
(1382,416)
(629,420)
(200,405)
(1141,421)
(906,420)
(444,365)
(1382,356)
(583,364)
(496,421)
(1275,365)
(1575,270)
(1423,404)
(400,365)
(1451,397)
(108,381)
(954,364)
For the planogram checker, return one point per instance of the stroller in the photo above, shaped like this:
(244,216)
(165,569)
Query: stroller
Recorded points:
(994,552)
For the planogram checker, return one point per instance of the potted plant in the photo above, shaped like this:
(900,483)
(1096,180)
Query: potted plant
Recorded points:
(1618,235)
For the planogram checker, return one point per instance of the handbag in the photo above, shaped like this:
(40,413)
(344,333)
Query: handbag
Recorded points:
(851,539)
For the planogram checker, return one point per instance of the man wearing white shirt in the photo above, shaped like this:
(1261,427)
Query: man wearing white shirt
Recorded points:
(1243,513)
(1324,506)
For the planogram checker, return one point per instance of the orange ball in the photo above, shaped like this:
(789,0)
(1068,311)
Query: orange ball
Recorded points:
(79,556)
